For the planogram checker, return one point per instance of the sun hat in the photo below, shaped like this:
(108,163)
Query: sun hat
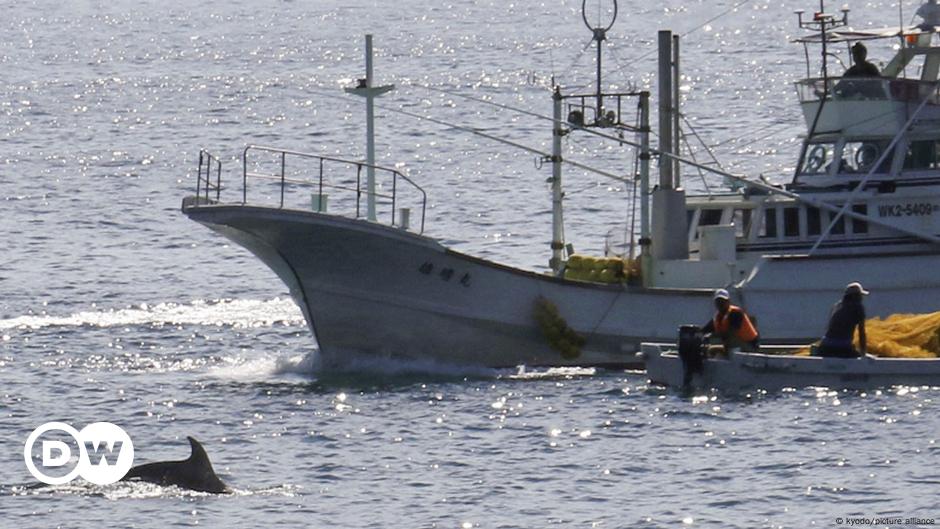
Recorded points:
(855,288)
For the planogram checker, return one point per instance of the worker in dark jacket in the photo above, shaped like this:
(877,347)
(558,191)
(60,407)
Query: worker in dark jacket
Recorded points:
(860,80)
(732,325)
(861,68)
(846,316)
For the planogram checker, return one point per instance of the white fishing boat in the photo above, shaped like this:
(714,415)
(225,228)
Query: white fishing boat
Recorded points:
(773,371)
(863,205)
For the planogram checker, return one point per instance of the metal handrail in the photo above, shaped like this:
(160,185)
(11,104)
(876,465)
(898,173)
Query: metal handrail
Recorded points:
(284,154)
(302,182)
(580,103)
(204,183)
(871,88)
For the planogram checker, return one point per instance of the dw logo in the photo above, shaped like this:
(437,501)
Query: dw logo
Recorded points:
(105,453)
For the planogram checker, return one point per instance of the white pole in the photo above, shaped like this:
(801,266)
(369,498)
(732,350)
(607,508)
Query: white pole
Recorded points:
(665,109)
(644,171)
(558,222)
(676,146)
(370,134)
(645,256)
(370,92)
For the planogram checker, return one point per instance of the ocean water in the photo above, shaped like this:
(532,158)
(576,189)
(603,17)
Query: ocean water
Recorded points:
(115,307)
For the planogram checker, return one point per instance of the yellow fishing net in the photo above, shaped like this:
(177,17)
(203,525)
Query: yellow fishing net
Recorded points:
(902,336)
(602,269)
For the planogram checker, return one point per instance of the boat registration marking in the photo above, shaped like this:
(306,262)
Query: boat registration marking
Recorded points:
(910,209)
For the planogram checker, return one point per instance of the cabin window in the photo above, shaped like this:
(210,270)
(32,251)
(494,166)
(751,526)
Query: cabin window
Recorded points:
(860,226)
(839,227)
(769,227)
(706,217)
(791,222)
(813,224)
(742,222)
(710,217)
(817,159)
(922,155)
(860,157)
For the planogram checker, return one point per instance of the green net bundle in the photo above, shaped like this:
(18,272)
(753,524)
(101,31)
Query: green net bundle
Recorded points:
(560,336)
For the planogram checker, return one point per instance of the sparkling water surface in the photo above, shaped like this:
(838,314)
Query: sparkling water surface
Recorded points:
(114,306)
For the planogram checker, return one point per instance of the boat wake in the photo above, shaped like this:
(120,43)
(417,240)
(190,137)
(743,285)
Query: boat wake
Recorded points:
(237,313)
(138,490)
(355,368)
(358,367)
(524,373)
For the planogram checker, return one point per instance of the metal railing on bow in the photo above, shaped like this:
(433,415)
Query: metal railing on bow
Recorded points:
(340,180)
(208,164)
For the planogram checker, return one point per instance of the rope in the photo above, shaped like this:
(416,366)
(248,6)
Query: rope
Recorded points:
(688,147)
(696,28)
(577,58)
(738,178)
(606,313)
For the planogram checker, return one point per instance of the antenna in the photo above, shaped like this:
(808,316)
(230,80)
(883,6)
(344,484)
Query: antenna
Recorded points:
(600,35)
(822,22)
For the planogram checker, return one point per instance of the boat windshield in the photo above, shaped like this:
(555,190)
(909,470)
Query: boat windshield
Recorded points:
(853,157)
(818,158)
(860,157)
(922,155)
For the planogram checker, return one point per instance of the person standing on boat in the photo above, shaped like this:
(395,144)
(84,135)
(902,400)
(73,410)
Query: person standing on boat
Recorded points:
(930,12)
(845,317)
(861,68)
(732,325)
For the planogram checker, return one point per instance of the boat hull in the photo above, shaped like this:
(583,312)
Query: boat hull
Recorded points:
(773,372)
(371,289)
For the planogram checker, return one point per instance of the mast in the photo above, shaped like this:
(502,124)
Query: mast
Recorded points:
(665,108)
(677,147)
(644,107)
(668,223)
(578,119)
(599,36)
(821,22)
(558,219)
(365,89)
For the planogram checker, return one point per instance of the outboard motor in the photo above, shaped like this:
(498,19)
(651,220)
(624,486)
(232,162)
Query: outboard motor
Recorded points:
(691,352)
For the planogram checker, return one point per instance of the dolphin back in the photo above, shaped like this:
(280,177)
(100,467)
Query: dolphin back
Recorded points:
(193,473)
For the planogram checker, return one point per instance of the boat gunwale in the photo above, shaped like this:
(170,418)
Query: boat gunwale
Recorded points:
(193,211)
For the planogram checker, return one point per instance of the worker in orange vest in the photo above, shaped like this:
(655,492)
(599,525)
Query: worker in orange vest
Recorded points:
(732,325)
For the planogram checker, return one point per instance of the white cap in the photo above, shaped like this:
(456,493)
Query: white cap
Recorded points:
(721,294)
(855,288)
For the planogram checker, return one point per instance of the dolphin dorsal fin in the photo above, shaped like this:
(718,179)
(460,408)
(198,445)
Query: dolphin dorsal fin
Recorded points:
(198,457)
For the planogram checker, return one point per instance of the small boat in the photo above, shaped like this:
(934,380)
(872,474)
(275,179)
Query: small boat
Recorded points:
(777,368)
